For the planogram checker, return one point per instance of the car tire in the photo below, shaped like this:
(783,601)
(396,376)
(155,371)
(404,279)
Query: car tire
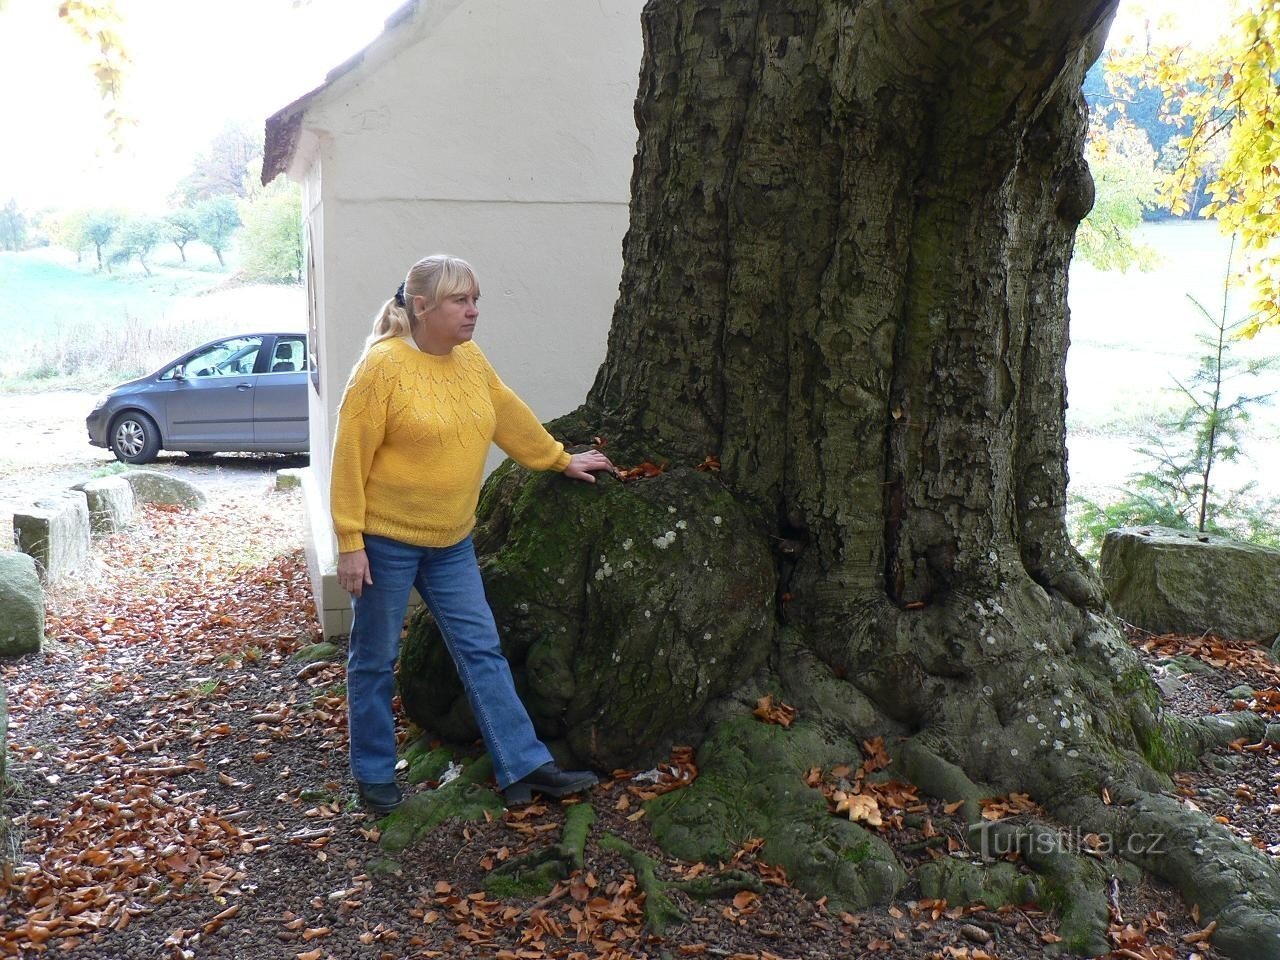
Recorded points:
(134,438)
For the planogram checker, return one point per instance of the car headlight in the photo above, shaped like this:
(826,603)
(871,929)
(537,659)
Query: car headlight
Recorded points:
(100,402)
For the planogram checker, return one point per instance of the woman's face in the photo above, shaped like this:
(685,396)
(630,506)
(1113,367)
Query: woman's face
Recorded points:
(450,322)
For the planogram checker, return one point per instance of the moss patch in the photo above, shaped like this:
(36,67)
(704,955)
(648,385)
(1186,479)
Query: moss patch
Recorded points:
(750,784)
(461,799)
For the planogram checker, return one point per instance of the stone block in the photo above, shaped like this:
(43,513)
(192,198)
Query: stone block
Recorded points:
(1181,581)
(111,504)
(21,606)
(152,486)
(55,533)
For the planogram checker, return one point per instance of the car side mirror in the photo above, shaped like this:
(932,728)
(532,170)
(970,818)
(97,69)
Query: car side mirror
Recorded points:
(179,373)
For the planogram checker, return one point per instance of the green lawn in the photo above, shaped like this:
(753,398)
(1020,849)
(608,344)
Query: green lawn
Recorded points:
(43,289)
(63,325)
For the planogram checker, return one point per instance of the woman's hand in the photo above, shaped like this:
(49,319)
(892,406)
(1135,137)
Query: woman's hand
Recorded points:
(353,571)
(581,465)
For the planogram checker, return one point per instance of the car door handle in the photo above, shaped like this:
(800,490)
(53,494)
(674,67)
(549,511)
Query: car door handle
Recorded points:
(244,386)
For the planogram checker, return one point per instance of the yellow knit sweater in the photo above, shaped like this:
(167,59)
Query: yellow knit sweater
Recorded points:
(413,433)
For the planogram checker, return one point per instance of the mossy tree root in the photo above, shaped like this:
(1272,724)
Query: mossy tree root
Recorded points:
(1229,880)
(660,910)
(1073,885)
(1232,883)
(536,873)
(463,798)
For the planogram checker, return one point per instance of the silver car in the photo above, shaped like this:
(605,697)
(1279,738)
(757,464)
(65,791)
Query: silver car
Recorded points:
(242,393)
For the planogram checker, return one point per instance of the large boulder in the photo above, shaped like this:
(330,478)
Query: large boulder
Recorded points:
(21,606)
(55,533)
(625,611)
(1181,581)
(152,486)
(111,504)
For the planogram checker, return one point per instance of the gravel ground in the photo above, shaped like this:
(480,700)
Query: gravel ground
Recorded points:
(47,449)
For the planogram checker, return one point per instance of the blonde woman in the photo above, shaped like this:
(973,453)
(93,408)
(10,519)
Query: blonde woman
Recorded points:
(414,427)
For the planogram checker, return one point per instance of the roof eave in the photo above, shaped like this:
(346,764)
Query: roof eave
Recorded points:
(284,127)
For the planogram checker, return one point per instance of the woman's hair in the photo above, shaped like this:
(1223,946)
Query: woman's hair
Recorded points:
(434,278)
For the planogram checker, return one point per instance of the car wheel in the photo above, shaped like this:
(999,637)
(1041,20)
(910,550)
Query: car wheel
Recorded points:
(135,438)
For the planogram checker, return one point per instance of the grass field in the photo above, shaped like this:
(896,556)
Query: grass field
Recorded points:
(45,287)
(63,325)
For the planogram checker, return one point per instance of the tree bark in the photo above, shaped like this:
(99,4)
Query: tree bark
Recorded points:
(846,279)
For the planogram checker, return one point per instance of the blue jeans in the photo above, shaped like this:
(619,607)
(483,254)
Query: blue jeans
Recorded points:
(448,578)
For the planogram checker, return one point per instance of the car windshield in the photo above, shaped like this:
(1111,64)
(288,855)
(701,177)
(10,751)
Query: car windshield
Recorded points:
(227,358)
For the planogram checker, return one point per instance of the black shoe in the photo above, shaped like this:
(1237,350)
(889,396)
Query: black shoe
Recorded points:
(550,780)
(380,798)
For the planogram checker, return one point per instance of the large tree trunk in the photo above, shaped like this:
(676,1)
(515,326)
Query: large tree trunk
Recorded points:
(845,278)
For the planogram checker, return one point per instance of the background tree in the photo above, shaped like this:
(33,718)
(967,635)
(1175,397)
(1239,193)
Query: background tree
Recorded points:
(217,219)
(136,238)
(224,167)
(1227,99)
(99,25)
(271,244)
(181,227)
(99,227)
(844,297)
(1181,486)
(1123,164)
(13,227)
(68,231)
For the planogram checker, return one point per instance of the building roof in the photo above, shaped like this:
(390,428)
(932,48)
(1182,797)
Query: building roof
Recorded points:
(284,127)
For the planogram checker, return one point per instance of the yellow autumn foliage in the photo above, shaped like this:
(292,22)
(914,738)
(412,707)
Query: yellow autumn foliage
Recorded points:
(1229,99)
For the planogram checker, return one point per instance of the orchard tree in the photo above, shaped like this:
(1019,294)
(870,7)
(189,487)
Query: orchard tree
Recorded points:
(68,231)
(217,219)
(180,228)
(99,227)
(844,297)
(136,239)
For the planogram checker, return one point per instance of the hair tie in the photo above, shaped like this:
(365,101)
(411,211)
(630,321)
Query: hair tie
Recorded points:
(400,295)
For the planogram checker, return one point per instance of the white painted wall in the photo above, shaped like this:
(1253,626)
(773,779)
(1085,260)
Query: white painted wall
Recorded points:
(500,131)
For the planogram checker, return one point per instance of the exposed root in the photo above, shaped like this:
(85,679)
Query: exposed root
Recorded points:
(660,911)
(536,873)
(939,778)
(1072,885)
(1230,881)
(751,786)
(1075,885)
(463,798)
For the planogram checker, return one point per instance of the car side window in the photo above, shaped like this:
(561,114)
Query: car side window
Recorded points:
(289,355)
(226,358)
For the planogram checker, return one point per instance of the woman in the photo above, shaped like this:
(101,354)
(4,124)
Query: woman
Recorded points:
(414,428)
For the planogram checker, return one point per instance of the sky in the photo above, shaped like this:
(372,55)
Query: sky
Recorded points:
(199,65)
(196,66)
